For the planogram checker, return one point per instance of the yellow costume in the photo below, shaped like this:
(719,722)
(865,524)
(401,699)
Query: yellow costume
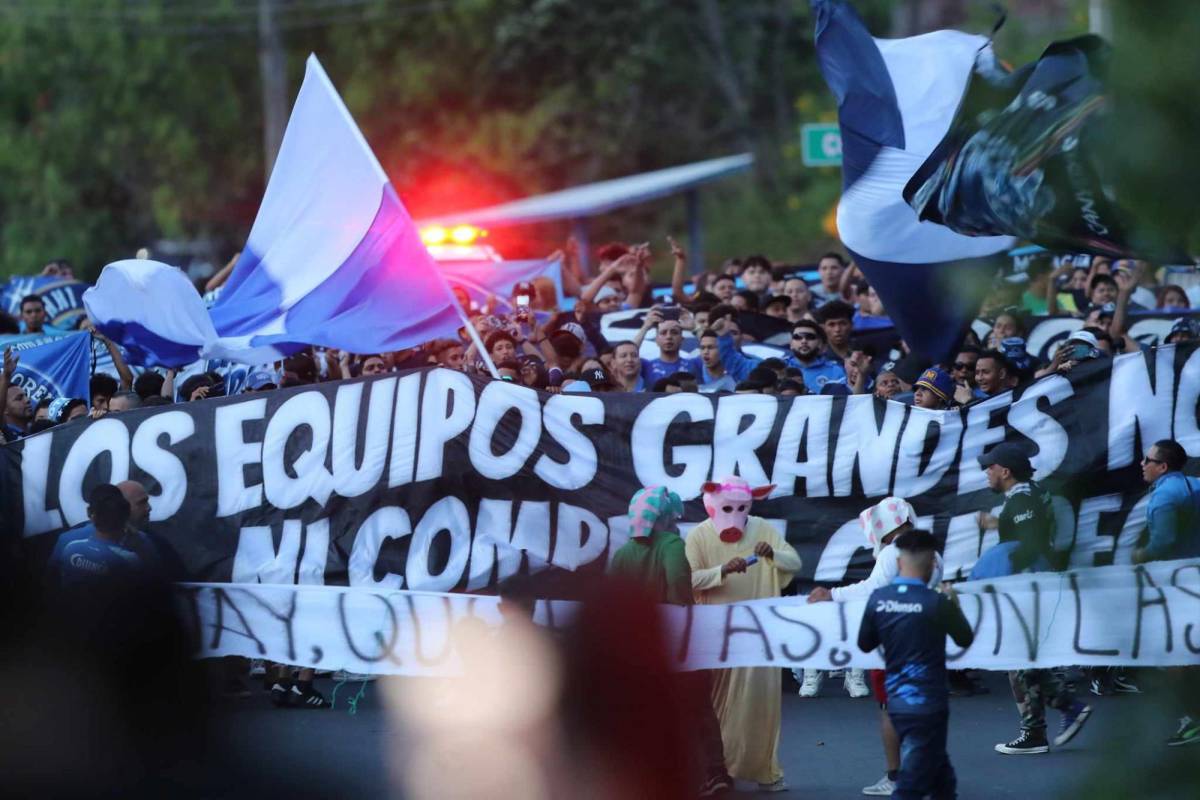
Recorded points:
(747,699)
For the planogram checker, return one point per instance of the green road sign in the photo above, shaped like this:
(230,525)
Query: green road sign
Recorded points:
(821,144)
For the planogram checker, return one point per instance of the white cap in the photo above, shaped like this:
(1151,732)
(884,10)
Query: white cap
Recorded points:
(1086,337)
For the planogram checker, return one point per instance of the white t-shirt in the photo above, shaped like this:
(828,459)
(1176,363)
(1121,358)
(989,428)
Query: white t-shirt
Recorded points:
(887,567)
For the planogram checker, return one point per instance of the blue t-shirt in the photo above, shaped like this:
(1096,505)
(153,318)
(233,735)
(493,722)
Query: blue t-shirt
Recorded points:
(655,369)
(94,560)
(912,621)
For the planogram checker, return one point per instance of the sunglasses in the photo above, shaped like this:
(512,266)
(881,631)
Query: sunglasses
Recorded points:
(960,365)
(805,337)
(1149,460)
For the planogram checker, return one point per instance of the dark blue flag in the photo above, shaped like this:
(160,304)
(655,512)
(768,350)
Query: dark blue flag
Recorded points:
(1027,156)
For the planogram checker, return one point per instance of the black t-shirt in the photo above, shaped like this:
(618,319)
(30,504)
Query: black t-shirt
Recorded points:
(1027,517)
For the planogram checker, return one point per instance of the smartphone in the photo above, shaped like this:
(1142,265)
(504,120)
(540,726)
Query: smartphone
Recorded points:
(669,312)
(1080,352)
(522,300)
(751,561)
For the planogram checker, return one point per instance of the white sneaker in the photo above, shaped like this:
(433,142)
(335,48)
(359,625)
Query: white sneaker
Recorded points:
(778,786)
(856,683)
(258,668)
(812,682)
(881,788)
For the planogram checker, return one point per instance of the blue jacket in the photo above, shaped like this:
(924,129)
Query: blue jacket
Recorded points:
(1172,516)
(820,372)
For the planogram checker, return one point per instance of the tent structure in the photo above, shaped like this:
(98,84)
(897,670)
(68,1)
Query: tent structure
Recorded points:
(580,202)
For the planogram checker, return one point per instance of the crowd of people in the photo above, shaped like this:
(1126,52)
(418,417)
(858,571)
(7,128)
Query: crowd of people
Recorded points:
(840,336)
(833,349)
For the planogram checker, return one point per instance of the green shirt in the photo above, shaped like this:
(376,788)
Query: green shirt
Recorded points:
(659,563)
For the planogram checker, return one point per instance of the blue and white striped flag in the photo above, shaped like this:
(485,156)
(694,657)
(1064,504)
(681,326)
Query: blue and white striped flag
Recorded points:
(333,259)
(896,99)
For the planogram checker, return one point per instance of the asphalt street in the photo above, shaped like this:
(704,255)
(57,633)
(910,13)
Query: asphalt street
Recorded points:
(830,746)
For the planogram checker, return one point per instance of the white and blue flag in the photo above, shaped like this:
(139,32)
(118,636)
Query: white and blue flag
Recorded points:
(333,259)
(896,100)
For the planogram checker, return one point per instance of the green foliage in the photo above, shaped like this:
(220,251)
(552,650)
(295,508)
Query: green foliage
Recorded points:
(124,122)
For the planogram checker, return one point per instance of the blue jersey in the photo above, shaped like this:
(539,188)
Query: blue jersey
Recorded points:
(655,369)
(94,560)
(911,621)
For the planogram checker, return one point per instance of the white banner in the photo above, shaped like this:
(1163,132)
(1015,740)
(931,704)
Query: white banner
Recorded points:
(1147,616)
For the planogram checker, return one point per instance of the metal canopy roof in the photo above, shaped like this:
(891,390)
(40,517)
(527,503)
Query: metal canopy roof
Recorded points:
(597,198)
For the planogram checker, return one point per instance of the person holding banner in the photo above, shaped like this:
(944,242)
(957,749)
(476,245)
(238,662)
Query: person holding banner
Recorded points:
(17,410)
(736,557)
(1026,527)
(882,523)
(1171,517)
(655,557)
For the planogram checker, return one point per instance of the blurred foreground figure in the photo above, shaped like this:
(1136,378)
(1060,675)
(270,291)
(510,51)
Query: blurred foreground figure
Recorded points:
(599,717)
(737,557)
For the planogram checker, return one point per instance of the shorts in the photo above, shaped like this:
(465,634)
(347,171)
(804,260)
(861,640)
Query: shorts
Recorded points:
(878,687)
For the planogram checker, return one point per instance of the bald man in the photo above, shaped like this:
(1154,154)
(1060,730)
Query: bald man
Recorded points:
(161,559)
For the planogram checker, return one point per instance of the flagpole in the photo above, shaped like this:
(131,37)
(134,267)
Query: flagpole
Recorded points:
(474,334)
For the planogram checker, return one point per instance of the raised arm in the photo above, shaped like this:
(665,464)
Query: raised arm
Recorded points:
(679,273)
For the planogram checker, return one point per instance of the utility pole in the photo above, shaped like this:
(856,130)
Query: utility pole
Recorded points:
(272,68)
(1099,19)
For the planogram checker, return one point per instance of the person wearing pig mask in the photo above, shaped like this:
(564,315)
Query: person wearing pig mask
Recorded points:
(737,557)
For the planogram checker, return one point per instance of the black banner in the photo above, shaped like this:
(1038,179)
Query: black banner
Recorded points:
(435,481)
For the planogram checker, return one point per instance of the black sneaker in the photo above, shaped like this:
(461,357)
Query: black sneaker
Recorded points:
(1100,688)
(1028,743)
(1188,733)
(308,697)
(280,695)
(1072,723)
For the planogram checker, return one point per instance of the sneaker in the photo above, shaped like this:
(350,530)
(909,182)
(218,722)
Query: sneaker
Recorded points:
(258,668)
(1188,733)
(715,785)
(1072,723)
(812,683)
(1123,685)
(778,786)
(1100,688)
(308,697)
(280,696)
(856,684)
(343,676)
(881,788)
(1028,743)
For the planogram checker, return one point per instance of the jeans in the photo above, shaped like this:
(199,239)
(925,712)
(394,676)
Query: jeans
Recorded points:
(924,763)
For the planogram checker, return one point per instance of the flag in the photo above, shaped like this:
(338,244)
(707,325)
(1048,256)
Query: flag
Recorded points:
(63,297)
(333,259)
(1025,157)
(479,279)
(896,99)
(53,366)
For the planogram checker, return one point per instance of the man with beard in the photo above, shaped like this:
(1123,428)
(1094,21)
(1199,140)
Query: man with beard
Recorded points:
(807,355)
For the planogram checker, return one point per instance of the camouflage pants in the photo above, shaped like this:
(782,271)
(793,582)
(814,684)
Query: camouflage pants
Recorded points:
(1034,689)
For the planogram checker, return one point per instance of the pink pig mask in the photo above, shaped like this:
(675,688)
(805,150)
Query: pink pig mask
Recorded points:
(727,504)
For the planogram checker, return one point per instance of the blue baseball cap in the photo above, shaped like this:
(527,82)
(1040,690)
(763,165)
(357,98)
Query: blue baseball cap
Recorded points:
(938,381)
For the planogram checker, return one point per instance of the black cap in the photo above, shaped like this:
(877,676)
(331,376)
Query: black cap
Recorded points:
(1010,456)
(596,378)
